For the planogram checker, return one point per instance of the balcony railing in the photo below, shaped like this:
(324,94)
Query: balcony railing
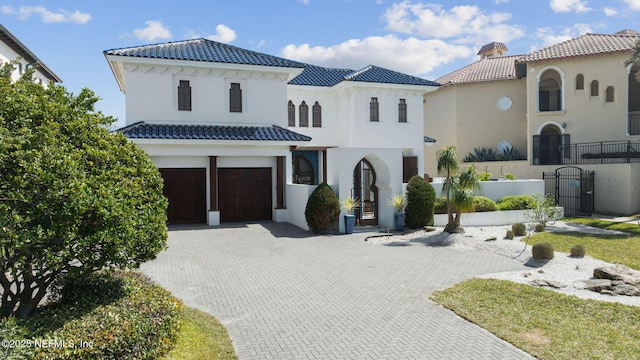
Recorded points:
(604,152)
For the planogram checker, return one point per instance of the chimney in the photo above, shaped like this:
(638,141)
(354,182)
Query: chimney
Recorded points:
(493,49)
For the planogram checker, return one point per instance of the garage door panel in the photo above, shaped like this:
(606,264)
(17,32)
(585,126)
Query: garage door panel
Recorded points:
(186,190)
(245,194)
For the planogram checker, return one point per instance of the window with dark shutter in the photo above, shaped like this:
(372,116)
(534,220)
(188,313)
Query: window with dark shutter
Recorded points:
(235,98)
(374,114)
(402,111)
(317,115)
(184,96)
(291,110)
(595,88)
(580,82)
(304,114)
(409,168)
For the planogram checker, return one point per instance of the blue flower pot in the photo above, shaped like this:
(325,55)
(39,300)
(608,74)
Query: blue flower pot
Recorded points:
(398,221)
(349,221)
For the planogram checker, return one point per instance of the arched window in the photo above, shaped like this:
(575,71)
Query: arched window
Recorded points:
(302,170)
(304,115)
(550,91)
(580,82)
(291,110)
(610,94)
(316,115)
(595,88)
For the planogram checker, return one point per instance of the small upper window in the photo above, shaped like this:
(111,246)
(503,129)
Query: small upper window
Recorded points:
(374,113)
(580,82)
(184,96)
(402,111)
(595,88)
(304,114)
(235,98)
(316,115)
(610,94)
(291,110)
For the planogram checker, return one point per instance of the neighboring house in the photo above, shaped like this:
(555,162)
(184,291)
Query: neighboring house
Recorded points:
(12,49)
(242,136)
(573,108)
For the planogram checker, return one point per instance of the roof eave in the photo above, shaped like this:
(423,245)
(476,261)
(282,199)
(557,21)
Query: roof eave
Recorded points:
(23,51)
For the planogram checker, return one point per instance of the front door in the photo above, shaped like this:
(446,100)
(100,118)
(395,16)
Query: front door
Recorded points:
(365,190)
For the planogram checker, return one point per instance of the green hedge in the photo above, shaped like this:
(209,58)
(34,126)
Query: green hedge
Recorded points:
(118,315)
(516,202)
(482,203)
(440,205)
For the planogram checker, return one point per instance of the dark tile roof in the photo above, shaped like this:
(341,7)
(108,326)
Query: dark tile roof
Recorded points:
(142,130)
(487,69)
(492,46)
(588,44)
(16,45)
(206,51)
(321,76)
(429,140)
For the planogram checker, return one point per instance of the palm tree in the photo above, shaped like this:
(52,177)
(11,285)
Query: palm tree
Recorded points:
(463,187)
(447,159)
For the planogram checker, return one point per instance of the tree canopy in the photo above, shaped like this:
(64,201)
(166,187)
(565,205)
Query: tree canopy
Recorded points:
(74,198)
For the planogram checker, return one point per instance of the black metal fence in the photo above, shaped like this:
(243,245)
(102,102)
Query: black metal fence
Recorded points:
(572,188)
(603,152)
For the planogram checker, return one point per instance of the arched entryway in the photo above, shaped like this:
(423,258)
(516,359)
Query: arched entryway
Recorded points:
(551,146)
(366,191)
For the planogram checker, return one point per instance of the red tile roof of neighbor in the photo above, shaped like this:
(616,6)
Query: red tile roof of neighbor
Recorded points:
(587,44)
(489,68)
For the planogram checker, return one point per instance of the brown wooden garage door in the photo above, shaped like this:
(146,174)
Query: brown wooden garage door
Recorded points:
(244,194)
(186,190)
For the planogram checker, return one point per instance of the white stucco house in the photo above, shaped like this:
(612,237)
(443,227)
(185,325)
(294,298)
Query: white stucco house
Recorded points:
(244,136)
(13,49)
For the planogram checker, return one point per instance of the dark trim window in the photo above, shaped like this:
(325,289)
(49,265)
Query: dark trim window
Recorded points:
(610,94)
(402,111)
(374,110)
(235,98)
(595,88)
(304,114)
(291,111)
(316,114)
(184,96)
(302,171)
(580,82)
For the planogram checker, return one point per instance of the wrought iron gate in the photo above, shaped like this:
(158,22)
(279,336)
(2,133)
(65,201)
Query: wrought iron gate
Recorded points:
(572,188)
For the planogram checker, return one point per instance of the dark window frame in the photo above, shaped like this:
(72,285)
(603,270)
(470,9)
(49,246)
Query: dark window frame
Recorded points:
(374,110)
(402,110)
(291,113)
(184,95)
(579,82)
(594,88)
(235,98)
(610,94)
(316,115)
(303,110)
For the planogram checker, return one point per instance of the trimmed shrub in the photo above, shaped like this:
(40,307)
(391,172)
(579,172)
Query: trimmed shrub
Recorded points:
(440,206)
(516,202)
(542,251)
(323,208)
(481,204)
(119,315)
(578,250)
(539,228)
(509,235)
(421,198)
(519,229)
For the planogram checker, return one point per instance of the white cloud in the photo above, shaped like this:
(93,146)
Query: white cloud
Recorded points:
(550,37)
(47,16)
(578,6)
(223,34)
(610,11)
(463,24)
(154,30)
(419,56)
(633,4)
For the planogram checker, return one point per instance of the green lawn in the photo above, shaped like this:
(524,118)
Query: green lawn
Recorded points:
(201,337)
(546,324)
(550,325)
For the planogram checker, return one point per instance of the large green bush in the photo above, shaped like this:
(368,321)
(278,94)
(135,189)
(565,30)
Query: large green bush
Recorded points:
(107,315)
(516,202)
(421,198)
(482,203)
(323,208)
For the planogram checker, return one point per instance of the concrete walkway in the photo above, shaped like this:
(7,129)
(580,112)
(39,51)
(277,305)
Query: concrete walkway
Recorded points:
(284,294)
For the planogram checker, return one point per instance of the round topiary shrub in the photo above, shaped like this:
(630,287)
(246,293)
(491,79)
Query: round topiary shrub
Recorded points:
(441,205)
(516,202)
(482,203)
(421,198)
(519,229)
(323,208)
(538,228)
(542,251)
(577,250)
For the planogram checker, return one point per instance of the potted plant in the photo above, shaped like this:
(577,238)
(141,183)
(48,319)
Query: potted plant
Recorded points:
(398,204)
(349,204)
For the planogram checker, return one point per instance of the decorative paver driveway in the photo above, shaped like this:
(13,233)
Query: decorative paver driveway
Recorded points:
(284,294)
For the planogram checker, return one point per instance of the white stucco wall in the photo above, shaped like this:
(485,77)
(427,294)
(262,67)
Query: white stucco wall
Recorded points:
(7,54)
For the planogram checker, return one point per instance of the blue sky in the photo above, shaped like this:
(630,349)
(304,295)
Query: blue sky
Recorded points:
(427,39)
